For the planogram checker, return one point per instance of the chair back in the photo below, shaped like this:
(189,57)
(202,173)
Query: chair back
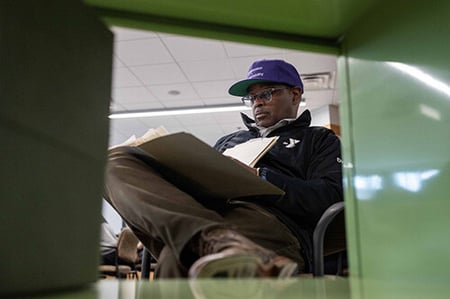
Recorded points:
(127,246)
(335,236)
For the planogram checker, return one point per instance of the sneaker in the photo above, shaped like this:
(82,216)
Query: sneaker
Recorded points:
(228,254)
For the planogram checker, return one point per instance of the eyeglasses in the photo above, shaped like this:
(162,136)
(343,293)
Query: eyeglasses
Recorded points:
(265,95)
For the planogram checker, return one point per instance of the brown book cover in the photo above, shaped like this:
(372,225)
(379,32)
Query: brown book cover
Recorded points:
(206,169)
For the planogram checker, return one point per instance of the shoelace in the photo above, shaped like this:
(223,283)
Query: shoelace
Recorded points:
(218,241)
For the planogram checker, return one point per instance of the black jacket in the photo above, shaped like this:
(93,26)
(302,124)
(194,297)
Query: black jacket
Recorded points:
(306,163)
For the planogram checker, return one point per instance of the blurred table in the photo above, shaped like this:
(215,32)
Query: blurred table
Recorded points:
(323,288)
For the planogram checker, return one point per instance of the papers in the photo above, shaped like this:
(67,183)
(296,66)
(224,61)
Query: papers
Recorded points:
(149,135)
(251,151)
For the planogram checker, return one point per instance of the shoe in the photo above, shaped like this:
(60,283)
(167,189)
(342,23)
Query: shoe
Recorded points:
(228,254)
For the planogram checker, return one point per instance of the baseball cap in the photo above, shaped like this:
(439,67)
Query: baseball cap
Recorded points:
(267,70)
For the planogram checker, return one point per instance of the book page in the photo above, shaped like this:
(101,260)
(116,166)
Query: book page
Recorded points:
(251,151)
(149,135)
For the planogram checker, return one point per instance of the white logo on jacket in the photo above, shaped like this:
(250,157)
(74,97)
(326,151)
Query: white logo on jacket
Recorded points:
(292,142)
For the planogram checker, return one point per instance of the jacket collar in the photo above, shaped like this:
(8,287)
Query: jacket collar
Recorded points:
(304,120)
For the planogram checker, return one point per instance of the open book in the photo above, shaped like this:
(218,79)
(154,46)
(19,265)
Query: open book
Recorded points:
(251,151)
(207,170)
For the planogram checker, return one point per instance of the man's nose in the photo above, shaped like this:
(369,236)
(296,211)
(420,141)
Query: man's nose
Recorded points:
(258,101)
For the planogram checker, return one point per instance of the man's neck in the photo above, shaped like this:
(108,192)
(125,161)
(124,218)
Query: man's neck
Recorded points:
(265,131)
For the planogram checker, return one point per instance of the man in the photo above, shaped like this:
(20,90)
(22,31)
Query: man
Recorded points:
(243,237)
(108,244)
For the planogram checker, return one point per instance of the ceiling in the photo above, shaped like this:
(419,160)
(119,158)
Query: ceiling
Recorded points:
(154,71)
(313,25)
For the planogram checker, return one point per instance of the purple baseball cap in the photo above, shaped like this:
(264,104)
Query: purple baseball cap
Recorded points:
(267,70)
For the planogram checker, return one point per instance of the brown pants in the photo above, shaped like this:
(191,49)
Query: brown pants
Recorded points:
(165,218)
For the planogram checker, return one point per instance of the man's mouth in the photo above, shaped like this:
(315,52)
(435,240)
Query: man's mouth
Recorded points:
(260,114)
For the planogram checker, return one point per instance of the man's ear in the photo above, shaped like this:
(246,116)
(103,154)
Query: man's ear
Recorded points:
(297,92)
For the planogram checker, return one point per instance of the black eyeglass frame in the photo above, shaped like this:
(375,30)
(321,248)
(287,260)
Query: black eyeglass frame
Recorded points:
(265,95)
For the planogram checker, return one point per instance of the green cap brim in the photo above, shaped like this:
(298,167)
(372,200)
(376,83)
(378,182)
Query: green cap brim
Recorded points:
(241,88)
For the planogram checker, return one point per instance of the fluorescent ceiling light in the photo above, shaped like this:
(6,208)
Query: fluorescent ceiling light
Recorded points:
(421,76)
(181,111)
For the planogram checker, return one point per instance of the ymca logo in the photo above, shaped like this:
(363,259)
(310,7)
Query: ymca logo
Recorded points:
(291,144)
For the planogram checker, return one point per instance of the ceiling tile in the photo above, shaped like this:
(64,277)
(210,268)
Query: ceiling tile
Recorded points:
(122,77)
(143,106)
(121,33)
(192,49)
(117,62)
(213,89)
(173,92)
(159,74)
(184,103)
(307,63)
(132,95)
(115,106)
(230,100)
(142,52)
(207,70)
(243,50)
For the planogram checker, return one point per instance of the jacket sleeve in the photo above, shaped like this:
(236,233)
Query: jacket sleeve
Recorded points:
(307,198)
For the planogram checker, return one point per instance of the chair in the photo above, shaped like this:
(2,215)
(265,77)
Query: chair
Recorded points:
(148,264)
(126,252)
(329,240)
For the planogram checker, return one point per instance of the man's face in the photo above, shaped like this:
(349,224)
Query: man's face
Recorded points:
(284,103)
